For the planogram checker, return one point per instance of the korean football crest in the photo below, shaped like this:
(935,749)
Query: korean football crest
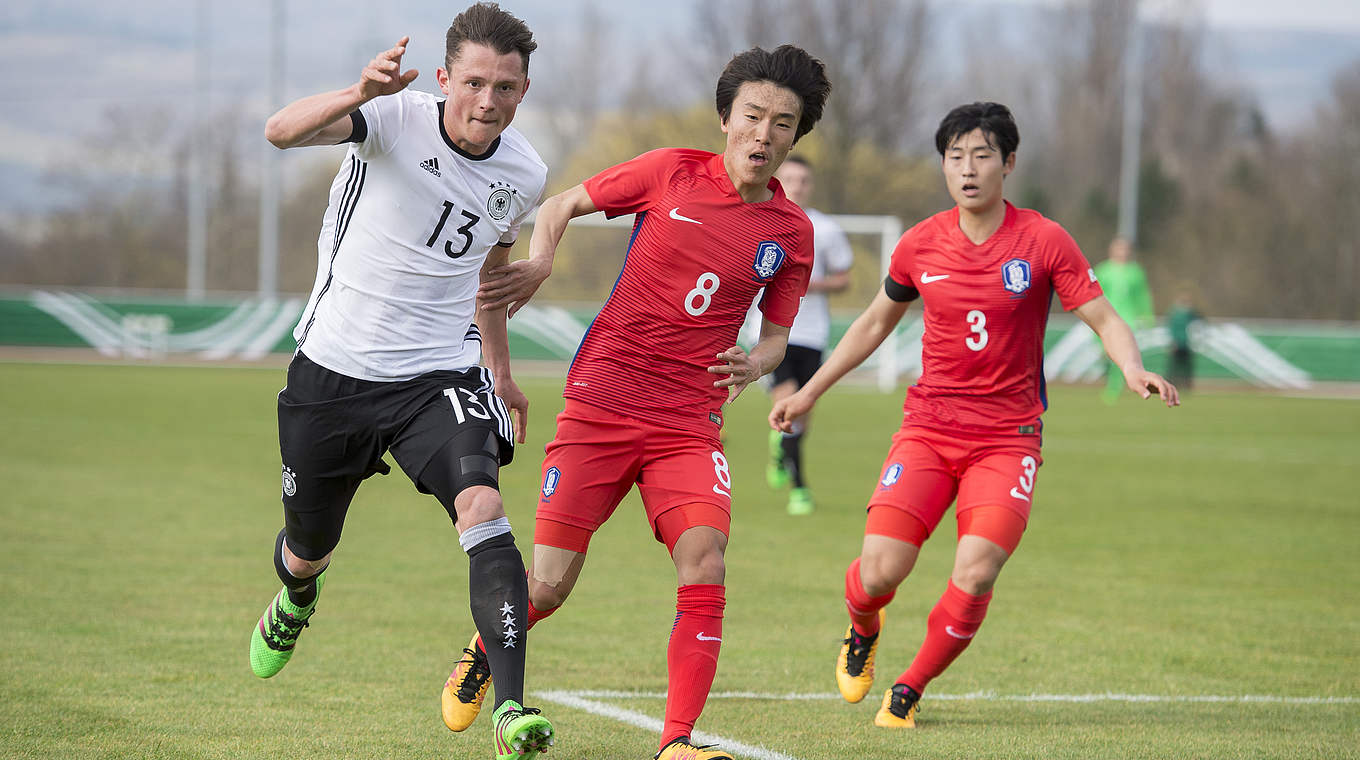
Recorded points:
(891,475)
(769,257)
(550,480)
(1015,275)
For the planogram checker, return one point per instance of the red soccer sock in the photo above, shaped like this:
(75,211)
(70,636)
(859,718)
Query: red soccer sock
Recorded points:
(534,616)
(863,608)
(949,630)
(692,657)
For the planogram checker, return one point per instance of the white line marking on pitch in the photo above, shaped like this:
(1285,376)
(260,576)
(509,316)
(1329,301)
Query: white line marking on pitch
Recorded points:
(986,696)
(586,700)
(647,723)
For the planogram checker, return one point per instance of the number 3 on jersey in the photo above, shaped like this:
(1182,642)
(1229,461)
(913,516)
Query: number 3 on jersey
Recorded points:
(978,340)
(698,300)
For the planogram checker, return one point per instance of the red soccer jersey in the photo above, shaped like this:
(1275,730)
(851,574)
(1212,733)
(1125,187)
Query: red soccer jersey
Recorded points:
(697,258)
(986,307)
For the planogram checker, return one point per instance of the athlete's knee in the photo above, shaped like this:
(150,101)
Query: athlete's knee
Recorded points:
(546,596)
(976,577)
(553,575)
(476,505)
(698,556)
(881,570)
(710,567)
(879,577)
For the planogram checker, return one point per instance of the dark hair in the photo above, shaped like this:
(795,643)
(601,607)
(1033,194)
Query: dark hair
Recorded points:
(487,24)
(993,119)
(786,66)
(795,159)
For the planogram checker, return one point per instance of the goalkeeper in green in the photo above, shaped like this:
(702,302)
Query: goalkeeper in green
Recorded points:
(1126,286)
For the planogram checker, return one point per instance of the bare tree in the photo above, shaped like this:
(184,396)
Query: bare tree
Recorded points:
(873,51)
(1327,173)
(572,87)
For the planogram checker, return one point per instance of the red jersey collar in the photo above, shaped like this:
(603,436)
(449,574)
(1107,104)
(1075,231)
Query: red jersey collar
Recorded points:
(719,172)
(956,232)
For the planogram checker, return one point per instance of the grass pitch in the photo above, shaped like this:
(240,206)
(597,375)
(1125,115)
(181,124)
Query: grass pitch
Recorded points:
(1198,552)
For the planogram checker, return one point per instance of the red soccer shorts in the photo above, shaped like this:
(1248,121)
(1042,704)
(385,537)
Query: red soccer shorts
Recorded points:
(926,469)
(597,456)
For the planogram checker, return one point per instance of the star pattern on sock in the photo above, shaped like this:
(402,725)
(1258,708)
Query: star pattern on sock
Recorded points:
(509,633)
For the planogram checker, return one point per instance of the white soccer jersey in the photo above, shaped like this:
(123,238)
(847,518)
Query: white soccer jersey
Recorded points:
(410,221)
(833,254)
(812,326)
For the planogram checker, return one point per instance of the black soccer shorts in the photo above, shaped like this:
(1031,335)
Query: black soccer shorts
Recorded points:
(800,364)
(447,430)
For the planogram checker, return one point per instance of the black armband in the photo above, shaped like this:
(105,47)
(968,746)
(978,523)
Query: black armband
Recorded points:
(899,292)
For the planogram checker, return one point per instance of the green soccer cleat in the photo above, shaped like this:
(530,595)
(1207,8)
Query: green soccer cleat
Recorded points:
(800,502)
(775,475)
(521,733)
(274,637)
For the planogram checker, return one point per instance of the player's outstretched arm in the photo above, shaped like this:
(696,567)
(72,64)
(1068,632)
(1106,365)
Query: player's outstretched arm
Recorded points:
(321,119)
(496,350)
(744,368)
(865,335)
(1122,349)
(512,285)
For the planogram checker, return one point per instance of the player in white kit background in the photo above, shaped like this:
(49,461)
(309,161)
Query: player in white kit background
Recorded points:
(808,337)
(391,345)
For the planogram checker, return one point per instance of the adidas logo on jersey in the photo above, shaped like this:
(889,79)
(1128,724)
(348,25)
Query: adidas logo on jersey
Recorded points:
(431,166)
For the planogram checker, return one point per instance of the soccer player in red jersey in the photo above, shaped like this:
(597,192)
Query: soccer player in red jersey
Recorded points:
(986,272)
(643,404)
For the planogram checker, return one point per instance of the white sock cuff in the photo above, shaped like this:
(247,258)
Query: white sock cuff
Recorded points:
(482,531)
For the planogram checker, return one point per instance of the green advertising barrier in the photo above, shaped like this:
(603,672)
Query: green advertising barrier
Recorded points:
(1280,354)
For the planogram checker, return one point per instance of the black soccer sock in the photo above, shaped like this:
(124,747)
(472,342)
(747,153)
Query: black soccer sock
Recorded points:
(301,591)
(792,446)
(498,590)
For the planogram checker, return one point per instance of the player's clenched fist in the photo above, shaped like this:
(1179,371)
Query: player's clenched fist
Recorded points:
(787,410)
(383,74)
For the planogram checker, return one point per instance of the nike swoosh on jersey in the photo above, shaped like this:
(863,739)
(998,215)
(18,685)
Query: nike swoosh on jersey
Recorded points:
(676,215)
(932,277)
(1016,493)
(949,629)
(700,636)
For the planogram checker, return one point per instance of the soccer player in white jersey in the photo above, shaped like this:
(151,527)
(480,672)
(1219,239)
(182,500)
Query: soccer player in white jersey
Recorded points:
(831,262)
(431,194)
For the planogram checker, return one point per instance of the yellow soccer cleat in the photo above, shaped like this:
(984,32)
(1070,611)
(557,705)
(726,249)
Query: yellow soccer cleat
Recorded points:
(900,705)
(680,749)
(465,689)
(855,665)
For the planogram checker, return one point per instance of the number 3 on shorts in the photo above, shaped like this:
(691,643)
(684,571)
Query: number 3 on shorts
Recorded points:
(1027,469)
(724,475)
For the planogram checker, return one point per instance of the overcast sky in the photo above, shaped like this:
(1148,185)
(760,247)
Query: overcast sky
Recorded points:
(1317,15)
(65,62)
